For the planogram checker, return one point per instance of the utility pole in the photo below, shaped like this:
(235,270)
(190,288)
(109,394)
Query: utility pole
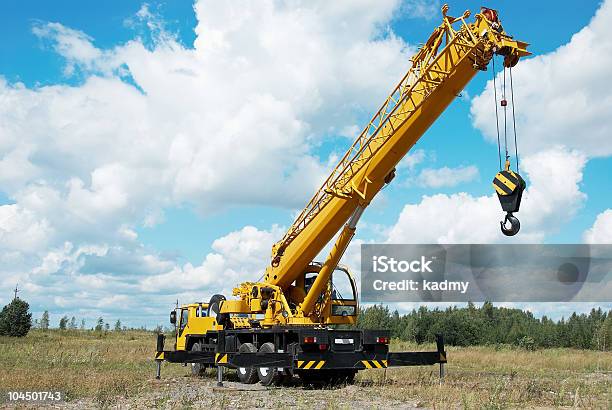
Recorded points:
(16,291)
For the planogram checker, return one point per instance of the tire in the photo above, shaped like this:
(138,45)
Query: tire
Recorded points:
(247,375)
(197,369)
(268,376)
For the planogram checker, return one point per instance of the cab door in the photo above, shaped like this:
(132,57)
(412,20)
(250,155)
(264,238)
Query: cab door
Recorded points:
(181,329)
(343,306)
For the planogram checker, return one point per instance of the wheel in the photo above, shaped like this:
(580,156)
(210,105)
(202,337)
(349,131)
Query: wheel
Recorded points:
(247,375)
(197,369)
(268,376)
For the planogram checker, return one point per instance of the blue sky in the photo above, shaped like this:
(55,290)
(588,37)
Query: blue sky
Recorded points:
(71,70)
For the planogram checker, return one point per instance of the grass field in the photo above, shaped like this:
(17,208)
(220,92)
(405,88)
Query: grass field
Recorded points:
(111,369)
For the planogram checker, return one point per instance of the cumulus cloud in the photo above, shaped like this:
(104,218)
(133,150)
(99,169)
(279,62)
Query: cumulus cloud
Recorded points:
(562,120)
(601,231)
(74,45)
(152,123)
(560,99)
(237,257)
(426,9)
(412,159)
(463,218)
(446,177)
(232,120)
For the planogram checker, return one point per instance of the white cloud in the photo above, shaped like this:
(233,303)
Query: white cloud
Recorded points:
(231,121)
(20,228)
(75,46)
(412,159)
(426,9)
(252,94)
(446,177)
(152,123)
(601,231)
(237,257)
(562,98)
(562,120)
(463,218)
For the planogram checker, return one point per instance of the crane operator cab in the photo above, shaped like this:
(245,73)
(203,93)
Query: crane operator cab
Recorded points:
(338,302)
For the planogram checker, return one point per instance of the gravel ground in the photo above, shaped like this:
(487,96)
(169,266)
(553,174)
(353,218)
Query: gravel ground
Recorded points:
(189,392)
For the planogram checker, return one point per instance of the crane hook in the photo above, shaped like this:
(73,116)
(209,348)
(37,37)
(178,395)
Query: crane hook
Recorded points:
(515,225)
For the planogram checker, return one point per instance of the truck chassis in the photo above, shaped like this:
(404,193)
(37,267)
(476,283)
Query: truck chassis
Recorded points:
(316,355)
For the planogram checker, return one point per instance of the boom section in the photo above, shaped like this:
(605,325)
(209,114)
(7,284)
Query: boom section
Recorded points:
(440,70)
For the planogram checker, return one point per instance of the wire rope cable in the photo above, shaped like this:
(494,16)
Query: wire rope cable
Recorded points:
(496,115)
(505,105)
(514,122)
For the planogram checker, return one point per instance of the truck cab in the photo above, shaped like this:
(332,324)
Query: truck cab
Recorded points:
(192,322)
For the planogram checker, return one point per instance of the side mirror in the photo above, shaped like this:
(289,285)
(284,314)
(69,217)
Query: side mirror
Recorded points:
(173,317)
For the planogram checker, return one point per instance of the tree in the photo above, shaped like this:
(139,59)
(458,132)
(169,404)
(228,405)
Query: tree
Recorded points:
(44,320)
(63,323)
(14,319)
(82,324)
(106,327)
(99,324)
(73,324)
(375,317)
(602,339)
(118,326)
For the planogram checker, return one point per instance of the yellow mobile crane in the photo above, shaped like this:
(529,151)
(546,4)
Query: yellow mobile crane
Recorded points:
(285,324)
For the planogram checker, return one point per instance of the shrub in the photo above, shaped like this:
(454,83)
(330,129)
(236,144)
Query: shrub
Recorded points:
(527,343)
(14,319)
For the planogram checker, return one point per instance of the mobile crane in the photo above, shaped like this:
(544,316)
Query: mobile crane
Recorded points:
(286,324)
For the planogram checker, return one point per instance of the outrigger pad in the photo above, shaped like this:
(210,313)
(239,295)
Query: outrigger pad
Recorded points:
(509,187)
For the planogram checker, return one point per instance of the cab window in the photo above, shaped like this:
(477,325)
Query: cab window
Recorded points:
(342,286)
(200,311)
(343,294)
(309,279)
(184,316)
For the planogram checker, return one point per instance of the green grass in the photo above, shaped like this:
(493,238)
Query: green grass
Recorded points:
(107,367)
(506,377)
(80,363)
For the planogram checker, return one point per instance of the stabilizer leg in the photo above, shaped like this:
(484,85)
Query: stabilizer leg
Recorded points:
(219,376)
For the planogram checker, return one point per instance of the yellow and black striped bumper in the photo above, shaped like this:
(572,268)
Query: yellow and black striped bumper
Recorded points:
(310,364)
(373,364)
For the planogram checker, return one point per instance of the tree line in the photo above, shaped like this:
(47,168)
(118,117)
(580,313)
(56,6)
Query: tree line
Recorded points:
(16,321)
(461,326)
(490,325)
(66,323)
